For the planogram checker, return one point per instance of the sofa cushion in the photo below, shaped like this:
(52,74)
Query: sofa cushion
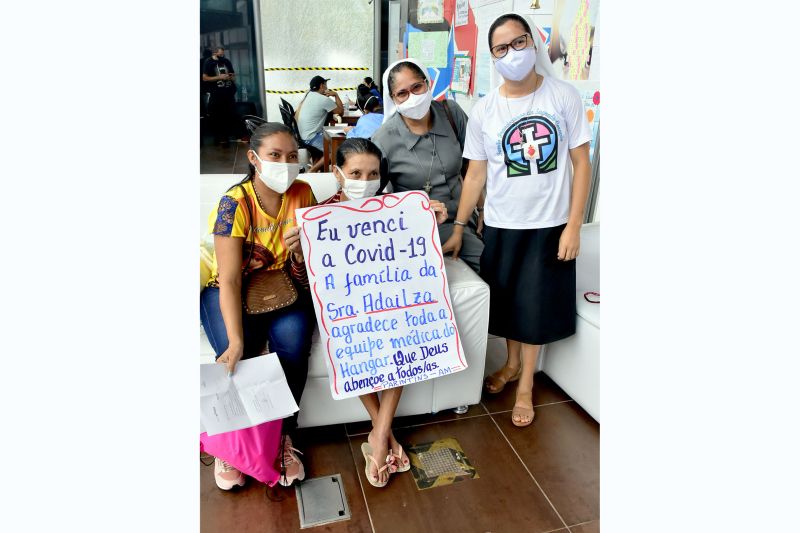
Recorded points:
(316,362)
(588,311)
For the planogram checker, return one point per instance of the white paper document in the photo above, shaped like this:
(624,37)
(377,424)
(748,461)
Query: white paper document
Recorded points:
(256,393)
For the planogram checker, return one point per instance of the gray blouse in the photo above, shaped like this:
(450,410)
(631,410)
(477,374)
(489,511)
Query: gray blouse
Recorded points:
(408,155)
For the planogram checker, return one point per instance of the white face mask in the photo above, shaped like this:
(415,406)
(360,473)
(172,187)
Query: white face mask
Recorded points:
(358,189)
(416,106)
(516,64)
(277,176)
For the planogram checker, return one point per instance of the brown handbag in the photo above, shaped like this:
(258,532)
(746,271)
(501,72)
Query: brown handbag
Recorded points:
(264,290)
(267,290)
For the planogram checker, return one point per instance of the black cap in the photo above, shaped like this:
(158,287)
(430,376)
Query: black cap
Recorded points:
(317,81)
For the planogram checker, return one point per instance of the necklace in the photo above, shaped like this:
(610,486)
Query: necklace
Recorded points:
(427,186)
(258,198)
(529,150)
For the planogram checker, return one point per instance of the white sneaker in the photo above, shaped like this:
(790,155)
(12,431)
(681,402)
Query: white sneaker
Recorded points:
(226,476)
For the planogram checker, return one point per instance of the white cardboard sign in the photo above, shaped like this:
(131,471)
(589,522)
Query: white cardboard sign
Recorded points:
(380,293)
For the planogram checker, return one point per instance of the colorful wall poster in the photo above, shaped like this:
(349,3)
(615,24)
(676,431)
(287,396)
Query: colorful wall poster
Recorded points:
(430,11)
(430,47)
(462,13)
(462,73)
(572,36)
(590,94)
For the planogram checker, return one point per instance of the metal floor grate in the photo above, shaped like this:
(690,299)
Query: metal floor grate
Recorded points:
(321,500)
(439,463)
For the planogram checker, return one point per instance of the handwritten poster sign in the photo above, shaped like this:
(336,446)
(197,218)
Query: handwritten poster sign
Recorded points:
(377,279)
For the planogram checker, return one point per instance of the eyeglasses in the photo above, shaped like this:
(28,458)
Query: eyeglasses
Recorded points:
(517,44)
(418,88)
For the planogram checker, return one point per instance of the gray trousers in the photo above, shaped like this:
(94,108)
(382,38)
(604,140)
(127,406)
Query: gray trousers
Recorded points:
(471,245)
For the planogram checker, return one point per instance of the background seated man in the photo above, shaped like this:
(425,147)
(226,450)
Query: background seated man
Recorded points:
(313,111)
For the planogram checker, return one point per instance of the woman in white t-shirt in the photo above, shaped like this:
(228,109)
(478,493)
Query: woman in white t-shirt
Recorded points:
(528,142)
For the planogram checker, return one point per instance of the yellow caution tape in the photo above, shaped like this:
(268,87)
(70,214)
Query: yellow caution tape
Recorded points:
(269,91)
(316,68)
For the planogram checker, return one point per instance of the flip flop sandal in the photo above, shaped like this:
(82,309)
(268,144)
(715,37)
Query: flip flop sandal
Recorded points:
(522,412)
(366,450)
(498,380)
(399,460)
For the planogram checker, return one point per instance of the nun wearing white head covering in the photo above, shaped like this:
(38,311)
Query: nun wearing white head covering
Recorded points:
(422,149)
(527,142)
(543,65)
(389,107)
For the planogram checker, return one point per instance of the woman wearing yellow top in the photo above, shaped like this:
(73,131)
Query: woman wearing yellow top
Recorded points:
(256,213)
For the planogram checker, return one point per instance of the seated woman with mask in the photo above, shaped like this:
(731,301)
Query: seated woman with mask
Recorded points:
(372,117)
(357,171)
(250,234)
(422,143)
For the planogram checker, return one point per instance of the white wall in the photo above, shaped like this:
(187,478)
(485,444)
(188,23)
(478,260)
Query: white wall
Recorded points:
(315,33)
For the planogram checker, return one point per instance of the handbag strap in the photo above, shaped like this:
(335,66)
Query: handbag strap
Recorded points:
(464,162)
(251,234)
(452,123)
(250,231)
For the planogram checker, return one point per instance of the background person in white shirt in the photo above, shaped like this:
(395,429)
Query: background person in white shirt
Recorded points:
(314,110)
(528,142)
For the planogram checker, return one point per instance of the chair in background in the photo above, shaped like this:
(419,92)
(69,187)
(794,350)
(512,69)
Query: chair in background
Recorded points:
(252,122)
(242,110)
(288,107)
(287,115)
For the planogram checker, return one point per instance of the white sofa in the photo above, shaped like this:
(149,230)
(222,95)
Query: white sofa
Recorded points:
(470,297)
(574,363)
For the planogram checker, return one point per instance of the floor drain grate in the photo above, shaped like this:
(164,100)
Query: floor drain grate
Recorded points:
(321,500)
(439,463)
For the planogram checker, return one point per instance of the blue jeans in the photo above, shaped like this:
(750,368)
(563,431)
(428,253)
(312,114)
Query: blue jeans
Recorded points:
(316,140)
(287,330)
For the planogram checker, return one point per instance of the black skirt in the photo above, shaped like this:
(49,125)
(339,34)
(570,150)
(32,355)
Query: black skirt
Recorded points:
(532,297)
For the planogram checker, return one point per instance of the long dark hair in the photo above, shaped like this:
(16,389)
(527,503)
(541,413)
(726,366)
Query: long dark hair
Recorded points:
(367,101)
(268,129)
(505,18)
(400,66)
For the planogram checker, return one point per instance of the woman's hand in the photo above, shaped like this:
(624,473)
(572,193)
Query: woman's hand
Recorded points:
(479,231)
(569,244)
(231,356)
(292,239)
(440,209)
(453,244)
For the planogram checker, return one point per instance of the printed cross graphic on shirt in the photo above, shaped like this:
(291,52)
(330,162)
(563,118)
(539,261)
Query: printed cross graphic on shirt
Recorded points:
(528,141)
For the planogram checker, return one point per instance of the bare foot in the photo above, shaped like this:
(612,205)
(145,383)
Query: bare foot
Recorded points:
(379,442)
(403,460)
(522,414)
